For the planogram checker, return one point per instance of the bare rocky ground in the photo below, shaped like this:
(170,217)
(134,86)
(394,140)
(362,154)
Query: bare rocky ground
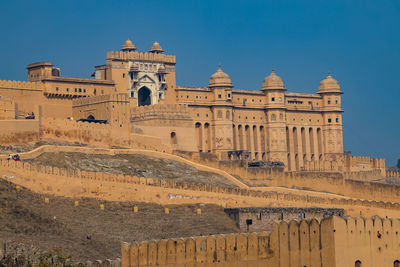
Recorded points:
(25,218)
(134,165)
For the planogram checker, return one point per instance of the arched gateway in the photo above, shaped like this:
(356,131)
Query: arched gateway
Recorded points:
(144,96)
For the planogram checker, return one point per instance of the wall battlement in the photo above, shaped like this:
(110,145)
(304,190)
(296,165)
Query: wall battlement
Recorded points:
(186,191)
(332,242)
(20,85)
(141,56)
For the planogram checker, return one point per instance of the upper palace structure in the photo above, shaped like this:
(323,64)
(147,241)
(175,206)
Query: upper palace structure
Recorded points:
(135,93)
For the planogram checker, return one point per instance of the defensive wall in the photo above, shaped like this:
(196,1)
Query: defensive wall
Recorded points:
(8,109)
(76,184)
(260,176)
(171,123)
(27,95)
(262,219)
(333,242)
(108,135)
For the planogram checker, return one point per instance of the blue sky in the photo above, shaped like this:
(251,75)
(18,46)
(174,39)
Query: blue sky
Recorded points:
(358,41)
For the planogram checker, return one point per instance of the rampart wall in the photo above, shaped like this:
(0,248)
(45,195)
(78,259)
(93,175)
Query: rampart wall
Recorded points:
(171,123)
(27,95)
(19,131)
(8,109)
(334,242)
(107,135)
(74,183)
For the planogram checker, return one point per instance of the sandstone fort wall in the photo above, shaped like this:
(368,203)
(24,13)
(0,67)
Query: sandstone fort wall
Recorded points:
(74,183)
(332,242)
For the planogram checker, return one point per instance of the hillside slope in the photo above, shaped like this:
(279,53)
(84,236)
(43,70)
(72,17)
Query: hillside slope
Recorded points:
(25,218)
(133,165)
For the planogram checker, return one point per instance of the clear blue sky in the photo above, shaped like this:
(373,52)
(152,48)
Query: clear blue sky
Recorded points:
(358,41)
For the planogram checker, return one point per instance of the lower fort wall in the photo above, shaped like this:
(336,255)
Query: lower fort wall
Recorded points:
(262,219)
(74,183)
(105,135)
(19,131)
(333,242)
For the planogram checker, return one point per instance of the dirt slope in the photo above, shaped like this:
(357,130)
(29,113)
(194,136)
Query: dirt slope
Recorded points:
(24,217)
(134,165)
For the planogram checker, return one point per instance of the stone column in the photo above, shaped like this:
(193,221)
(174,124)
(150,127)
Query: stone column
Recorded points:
(308,145)
(292,163)
(203,138)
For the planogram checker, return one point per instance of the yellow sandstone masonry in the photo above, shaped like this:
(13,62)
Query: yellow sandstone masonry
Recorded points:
(333,242)
(76,184)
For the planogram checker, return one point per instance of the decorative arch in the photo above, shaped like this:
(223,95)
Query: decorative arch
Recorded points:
(90,117)
(144,96)
(357,263)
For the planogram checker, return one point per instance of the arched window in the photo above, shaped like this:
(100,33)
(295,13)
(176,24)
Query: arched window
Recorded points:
(174,139)
(396,263)
(357,264)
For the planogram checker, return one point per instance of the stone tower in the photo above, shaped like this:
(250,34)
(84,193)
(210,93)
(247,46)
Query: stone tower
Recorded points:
(221,86)
(330,91)
(274,91)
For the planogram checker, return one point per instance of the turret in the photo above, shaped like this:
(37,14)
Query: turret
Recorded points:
(41,70)
(221,85)
(274,91)
(330,91)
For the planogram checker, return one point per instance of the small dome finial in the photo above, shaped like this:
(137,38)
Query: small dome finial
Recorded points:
(273,70)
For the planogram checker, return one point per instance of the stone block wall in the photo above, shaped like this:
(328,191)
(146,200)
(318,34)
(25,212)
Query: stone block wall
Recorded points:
(333,242)
(262,219)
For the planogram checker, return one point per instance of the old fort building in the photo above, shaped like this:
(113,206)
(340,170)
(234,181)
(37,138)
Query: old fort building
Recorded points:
(136,94)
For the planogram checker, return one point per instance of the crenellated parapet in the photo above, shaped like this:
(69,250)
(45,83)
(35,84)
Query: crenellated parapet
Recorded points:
(333,241)
(20,85)
(142,56)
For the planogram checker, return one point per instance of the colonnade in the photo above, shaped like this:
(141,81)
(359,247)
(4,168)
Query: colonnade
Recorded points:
(252,138)
(303,144)
(203,136)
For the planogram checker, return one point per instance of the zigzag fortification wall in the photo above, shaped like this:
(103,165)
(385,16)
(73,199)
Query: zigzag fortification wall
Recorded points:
(76,184)
(333,242)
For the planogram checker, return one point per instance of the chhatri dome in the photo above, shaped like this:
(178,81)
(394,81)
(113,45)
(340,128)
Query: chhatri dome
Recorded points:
(128,46)
(272,81)
(329,84)
(220,79)
(156,48)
